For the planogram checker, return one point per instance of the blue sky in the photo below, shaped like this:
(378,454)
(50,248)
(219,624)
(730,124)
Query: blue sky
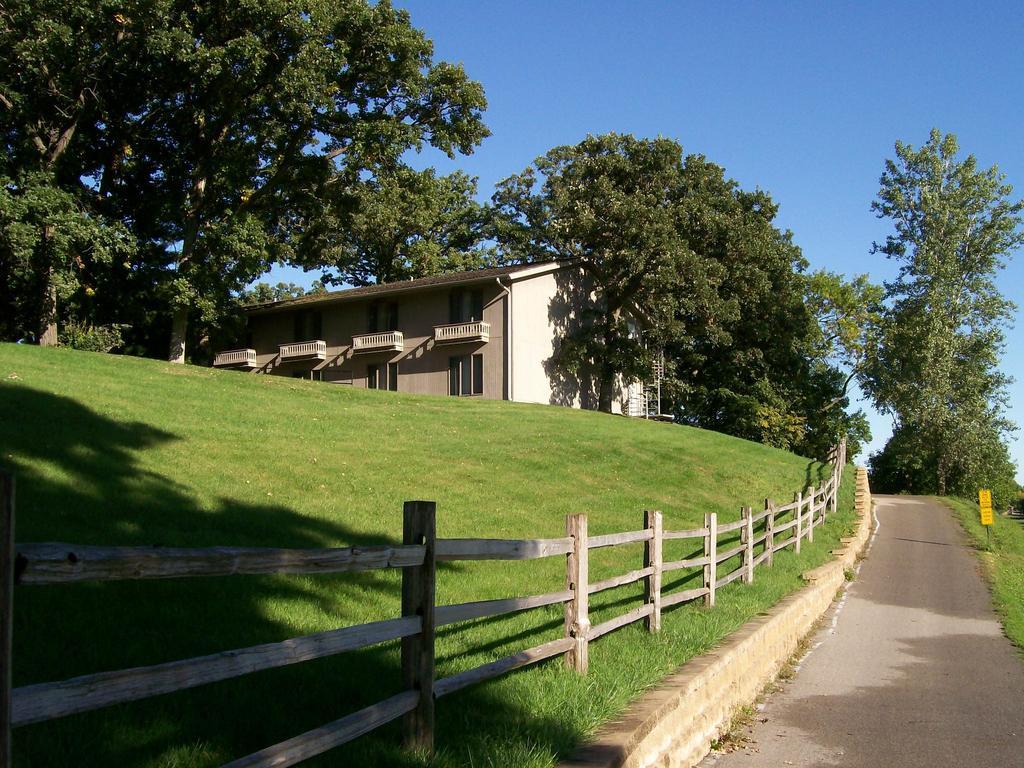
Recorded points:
(802,99)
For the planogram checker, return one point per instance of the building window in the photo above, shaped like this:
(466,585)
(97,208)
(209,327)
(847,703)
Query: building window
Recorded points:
(465,305)
(466,375)
(308,325)
(373,376)
(393,377)
(382,317)
(478,374)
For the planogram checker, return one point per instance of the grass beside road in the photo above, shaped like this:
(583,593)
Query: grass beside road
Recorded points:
(124,451)
(1002,553)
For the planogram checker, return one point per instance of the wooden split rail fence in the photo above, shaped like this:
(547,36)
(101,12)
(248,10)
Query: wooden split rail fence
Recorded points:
(753,540)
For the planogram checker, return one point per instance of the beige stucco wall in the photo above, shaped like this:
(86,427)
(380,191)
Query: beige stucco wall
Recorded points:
(423,365)
(543,307)
(533,336)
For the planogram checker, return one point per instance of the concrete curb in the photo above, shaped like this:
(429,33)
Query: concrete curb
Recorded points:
(674,724)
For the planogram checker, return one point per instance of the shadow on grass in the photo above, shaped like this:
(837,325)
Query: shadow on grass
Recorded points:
(82,477)
(816,473)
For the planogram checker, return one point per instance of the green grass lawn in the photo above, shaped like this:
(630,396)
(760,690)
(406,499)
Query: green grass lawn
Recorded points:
(1002,552)
(111,450)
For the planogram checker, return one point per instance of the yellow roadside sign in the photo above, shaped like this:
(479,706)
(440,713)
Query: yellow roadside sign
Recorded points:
(985,506)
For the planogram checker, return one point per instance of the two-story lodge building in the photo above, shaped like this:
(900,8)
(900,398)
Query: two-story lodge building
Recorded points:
(488,333)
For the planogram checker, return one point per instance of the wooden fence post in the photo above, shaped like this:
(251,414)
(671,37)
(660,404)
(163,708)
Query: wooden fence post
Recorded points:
(6,611)
(710,552)
(837,480)
(810,517)
(577,579)
(418,589)
(799,512)
(747,537)
(653,560)
(842,458)
(769,532)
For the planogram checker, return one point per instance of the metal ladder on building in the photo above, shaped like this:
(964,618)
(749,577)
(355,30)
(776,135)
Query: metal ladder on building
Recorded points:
(645,397)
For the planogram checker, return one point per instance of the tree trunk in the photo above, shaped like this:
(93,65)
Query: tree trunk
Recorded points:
(179,327)
(606,382)
(190,235)
(48,319)
(48,303)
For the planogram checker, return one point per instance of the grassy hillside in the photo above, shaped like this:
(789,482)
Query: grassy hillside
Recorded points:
(114,450)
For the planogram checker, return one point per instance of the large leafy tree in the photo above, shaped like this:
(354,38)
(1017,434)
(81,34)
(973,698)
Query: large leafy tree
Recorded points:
(58,63)
(400,224)
(609,204)
(754,361)
(217,130)
(934,362)
(847,312)
(676,257)
(263,107)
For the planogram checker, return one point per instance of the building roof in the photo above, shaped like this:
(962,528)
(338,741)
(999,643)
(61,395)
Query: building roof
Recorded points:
(387,289)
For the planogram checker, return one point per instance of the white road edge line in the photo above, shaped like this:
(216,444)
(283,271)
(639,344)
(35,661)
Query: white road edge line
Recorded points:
(846,592)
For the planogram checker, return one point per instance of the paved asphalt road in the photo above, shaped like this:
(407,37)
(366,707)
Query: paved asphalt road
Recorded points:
(910,669)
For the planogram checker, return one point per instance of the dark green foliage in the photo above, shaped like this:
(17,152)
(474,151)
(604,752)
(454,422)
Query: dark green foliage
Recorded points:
(221,134)
(399,225)
(264,292)
(89,338)
(610,205)
(751,361)
(908,464)
(675,256)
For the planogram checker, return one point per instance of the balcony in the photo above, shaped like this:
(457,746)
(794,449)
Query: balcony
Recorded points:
(235,358)
(460,333)
(303,350)
(387,341)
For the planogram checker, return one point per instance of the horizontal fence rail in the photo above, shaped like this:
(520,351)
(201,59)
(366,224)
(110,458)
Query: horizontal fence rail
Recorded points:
(750,541)
(452,614)
(502,549)
(47,701)
(58,563)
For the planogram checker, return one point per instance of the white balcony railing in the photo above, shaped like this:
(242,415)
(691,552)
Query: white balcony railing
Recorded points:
(303,350)
(455,333)
(387,341)
(235,358)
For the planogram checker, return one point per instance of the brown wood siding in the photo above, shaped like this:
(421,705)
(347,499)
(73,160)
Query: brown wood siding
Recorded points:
(422,365)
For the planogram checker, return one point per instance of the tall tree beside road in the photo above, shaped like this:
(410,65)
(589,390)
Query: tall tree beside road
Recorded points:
(933,364)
